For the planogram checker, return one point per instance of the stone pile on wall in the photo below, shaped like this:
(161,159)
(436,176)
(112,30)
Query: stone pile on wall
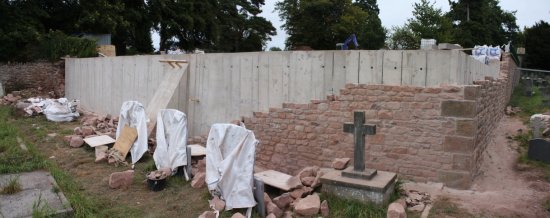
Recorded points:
(424,134)
(40,78)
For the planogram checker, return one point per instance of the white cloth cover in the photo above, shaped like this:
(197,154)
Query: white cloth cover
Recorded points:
(132,113)
(230,151)
(171,139)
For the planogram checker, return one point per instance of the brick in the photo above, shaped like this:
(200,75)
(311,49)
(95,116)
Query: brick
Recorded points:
(455,179)
(454,108)
(466,127)
(458,144)
(462,162)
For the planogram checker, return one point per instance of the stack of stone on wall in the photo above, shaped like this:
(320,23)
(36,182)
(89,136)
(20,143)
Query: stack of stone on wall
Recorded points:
(45,76)
(425,134)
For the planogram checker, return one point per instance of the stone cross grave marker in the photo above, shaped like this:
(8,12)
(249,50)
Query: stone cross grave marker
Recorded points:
(359,130)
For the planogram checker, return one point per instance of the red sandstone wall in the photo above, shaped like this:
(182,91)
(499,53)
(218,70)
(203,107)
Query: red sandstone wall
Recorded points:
(424,134)
(42,76)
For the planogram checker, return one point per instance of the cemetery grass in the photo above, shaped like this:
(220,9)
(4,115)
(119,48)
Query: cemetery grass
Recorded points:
(529,105)
(84,182)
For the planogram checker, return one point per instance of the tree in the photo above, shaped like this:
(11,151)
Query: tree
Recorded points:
(403,38)
(275,49)
(429,22)
(241,29)
(537,46)
(321,24)
(135,36)
(478,22)
(374,35)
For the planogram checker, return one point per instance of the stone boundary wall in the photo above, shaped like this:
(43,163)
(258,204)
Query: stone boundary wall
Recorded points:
(42,76)
(425,134)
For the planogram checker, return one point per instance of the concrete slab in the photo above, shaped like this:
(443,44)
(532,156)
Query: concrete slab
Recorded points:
(275,178)
(376,190)
(38,185)
(99,140)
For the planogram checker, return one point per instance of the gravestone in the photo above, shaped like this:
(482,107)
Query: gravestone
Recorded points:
(358,182)
(2,93)
(536,123)
(359,130)
(539,149)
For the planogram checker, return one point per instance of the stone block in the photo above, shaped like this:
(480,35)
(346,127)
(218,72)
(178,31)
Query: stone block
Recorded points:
(466,127)
(455,179)
(458,144)
(462,162)
(471,92)
(121,179)
(455,108)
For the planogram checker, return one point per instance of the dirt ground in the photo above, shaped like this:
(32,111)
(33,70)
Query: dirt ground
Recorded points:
(504,188)
(137,201)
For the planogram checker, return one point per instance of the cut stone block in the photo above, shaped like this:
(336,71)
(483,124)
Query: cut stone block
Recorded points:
(377,190)
(453,108)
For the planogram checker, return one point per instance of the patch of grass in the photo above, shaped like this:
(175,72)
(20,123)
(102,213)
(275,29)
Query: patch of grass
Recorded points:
(529,105)
(15,160)
(523,142)
(11,187)
(40,208)
(340,207)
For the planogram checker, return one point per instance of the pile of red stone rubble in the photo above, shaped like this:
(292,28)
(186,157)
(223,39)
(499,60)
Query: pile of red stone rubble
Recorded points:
(92,125)
(302,200)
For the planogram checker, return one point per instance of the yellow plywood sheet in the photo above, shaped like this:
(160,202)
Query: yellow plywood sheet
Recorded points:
(125,140)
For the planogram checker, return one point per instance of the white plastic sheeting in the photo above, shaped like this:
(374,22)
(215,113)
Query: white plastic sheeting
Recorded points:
(171,139)
(230,151)
(132,113)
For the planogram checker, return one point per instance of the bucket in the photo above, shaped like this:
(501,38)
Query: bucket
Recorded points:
(156,184)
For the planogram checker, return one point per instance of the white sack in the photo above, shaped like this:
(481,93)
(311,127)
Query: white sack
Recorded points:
(132,113)
(59,110)
(171,139)
(230,151)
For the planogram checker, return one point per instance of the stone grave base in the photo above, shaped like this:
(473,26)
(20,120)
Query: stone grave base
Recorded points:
(35,186)
(376,190)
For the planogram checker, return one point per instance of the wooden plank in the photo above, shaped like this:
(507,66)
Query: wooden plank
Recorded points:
(99,140)
(274,178)
(392,67)
(163,95)
(414,68)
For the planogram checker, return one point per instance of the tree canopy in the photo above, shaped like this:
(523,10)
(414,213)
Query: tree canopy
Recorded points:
(537,46)
(213,25)
(320,24)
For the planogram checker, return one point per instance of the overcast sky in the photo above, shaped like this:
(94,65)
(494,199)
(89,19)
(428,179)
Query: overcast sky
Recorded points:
(396,13)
